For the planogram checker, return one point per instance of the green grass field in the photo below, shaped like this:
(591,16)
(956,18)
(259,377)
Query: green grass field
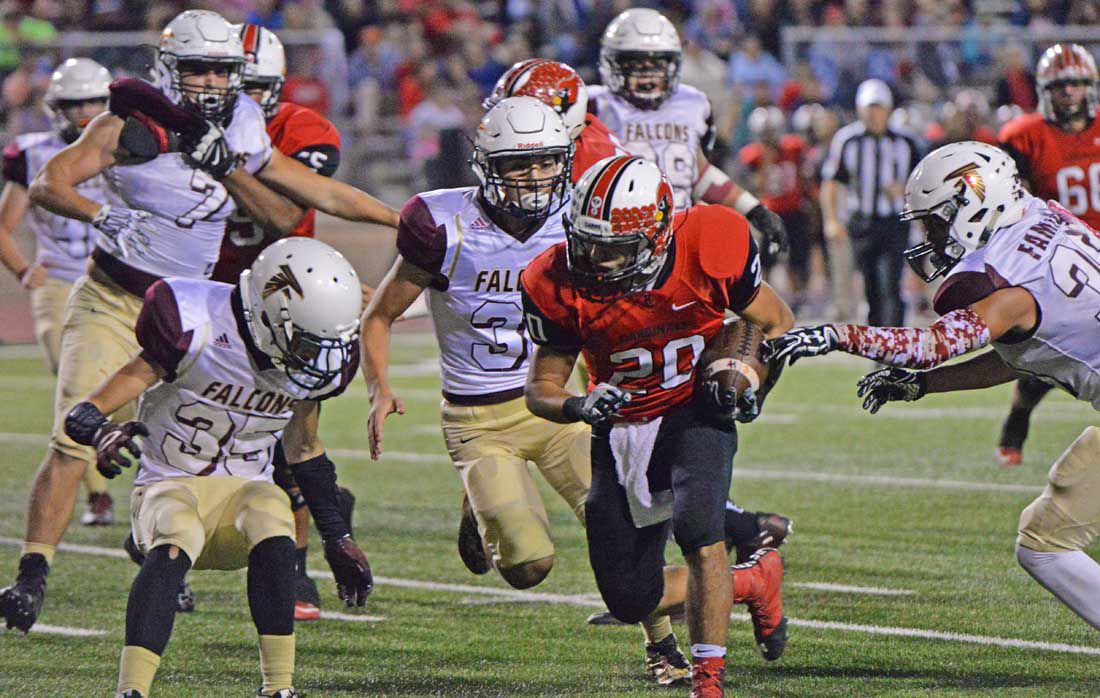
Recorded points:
(906,504)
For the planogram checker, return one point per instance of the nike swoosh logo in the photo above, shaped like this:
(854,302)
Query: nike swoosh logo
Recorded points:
(681,307)
(462,440)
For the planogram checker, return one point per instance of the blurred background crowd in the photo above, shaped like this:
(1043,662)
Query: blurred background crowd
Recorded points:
(404,79)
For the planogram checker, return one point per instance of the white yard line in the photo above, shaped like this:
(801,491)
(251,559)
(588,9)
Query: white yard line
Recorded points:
(850,589)
(589,601)
(65,630)
(776,473)
(351,617)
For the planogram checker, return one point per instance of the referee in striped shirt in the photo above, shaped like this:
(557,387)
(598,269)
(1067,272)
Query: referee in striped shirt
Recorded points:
(872,162)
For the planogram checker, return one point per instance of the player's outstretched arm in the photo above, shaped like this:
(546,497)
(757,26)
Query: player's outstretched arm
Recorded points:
(402,286)
(13,205)
(892,384)
(293,179)
(273,212)
(54,188)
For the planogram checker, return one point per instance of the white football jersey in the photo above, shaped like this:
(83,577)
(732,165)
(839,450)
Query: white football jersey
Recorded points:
(1056,257)
(62,244)
(478,317)
(189,207)
(670,136)
(223,404)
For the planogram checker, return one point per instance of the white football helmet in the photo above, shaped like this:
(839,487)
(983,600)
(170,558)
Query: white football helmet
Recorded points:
(201,40)
(522,127)
(962,193)
(302,301)
(618,228)
(1062,63)
(552,83)
(641,42)
(265,67)
(75,81)
(767,124)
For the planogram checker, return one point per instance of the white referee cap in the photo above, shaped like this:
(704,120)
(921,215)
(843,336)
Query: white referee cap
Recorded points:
(874,91)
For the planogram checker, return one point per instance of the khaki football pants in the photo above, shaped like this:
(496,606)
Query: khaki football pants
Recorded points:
(1066,516)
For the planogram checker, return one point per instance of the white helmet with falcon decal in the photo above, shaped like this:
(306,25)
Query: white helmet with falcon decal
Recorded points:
(302,301)
(961,193)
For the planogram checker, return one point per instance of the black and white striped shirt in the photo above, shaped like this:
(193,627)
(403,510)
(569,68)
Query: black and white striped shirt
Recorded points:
(869,165)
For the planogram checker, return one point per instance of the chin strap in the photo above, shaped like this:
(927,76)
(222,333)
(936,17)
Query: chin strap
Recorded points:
(954,334)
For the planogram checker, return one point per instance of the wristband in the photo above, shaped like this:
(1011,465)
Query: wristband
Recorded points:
(573,409)
(745,202)
(83,423)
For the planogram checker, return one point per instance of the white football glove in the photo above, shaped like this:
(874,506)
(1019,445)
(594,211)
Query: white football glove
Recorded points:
(211,153)
(127,229)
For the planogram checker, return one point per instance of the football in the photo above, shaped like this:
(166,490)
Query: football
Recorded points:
(738,340)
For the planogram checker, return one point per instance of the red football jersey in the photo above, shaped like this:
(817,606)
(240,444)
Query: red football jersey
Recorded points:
(1057,164)
(306,136)
(650,341)
(595,143)
(781,189)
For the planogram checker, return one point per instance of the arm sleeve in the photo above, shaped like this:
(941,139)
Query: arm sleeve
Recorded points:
(421,242)
(15,165)
(159,331)
(743,288)
(956,333)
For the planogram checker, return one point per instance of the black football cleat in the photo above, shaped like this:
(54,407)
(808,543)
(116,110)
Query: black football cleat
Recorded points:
(603,618)
(131,693)
(665,663)
(774,529)
(284,693)
(21,603)
(470,546)
(185,598)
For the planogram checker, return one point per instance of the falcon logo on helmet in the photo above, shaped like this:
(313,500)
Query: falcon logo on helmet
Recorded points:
(640,48)
(554,84)
(961,193)
(311,332)
(619,229)
(1064,65)
(193,45)
(523,156)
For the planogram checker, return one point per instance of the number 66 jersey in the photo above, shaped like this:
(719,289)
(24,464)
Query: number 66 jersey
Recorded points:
(1056,258)
(474,297)
(222,403)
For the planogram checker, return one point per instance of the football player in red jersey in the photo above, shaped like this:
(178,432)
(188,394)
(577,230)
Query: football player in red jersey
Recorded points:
(1057,151)
(311,139)
(562,89)
(639,291)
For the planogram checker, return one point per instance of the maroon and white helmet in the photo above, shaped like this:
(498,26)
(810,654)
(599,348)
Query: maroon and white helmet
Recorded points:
(1066,63)
(554,84)
(618,228)
(523,131)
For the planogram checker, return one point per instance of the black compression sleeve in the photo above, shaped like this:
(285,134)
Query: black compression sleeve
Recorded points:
(316,479)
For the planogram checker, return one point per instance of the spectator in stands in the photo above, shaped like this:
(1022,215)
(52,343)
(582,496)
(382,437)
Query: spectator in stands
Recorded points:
(19,32)
(752,65)
(268,14)
(714,27)
(1016,84)
(872,162)
(428,123)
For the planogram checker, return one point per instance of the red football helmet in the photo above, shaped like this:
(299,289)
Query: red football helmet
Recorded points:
(618,228)
(552,83)
(1063,64)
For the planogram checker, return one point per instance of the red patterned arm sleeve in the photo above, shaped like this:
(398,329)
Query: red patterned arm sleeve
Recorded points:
(954,334)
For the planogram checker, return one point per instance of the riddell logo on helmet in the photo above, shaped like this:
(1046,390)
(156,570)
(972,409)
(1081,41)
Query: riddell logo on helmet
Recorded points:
(536,144)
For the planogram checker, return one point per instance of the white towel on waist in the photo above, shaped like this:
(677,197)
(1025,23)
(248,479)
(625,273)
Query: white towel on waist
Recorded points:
(632,448)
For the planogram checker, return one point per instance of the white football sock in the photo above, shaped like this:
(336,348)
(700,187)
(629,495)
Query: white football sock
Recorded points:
(1073,577)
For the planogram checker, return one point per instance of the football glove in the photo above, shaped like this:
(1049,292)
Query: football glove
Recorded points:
(127,229)
(109,442)
(802,342)
(889,384)
(600,405)
(350,569)
(771,227)
(210,152)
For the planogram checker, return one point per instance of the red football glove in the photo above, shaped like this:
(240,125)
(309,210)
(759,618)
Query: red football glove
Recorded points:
(354,581)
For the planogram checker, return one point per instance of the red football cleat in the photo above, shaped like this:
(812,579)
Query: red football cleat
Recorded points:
(1008,457)
(706,677)
(304,610)
(758,584)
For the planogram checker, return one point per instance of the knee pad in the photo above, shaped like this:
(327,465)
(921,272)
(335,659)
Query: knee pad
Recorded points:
(516,534)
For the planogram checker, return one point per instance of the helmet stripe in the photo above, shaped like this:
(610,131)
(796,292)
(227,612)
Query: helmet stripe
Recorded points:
(251,38)
(530,65)
(599,182)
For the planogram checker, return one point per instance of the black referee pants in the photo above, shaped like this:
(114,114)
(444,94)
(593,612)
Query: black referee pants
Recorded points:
(878,246)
